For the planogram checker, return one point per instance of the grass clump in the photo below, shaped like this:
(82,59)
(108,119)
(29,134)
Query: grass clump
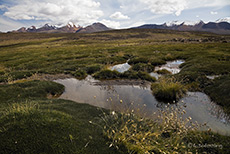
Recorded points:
(107,74)
(80,74)
(29,90)
(93,69)
(157,62)
(168,90)
(24,128)
(137,75)
(143,67)
(169,133)
(163,71)
(138,60)
(219,91)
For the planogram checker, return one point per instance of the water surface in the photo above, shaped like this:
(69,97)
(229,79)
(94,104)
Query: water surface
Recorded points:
(121,67)
(128,96)
(171,66)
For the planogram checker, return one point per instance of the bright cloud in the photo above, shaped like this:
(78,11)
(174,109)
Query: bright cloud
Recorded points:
(62,11)
(8,24)
(110,23)
(119,16)
(113,13)
(166,6)
(213,13)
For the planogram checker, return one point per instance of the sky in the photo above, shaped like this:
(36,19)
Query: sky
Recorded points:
(113,13)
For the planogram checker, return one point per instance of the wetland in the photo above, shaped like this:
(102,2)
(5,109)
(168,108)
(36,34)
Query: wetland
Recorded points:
(73,87)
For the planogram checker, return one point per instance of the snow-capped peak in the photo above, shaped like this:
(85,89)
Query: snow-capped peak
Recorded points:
(32,27)
(70,24)
(173,23)
(192,23)
(187,23)
(226,19)
(48,25)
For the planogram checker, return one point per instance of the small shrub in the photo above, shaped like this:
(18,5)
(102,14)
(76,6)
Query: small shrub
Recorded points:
(167,90)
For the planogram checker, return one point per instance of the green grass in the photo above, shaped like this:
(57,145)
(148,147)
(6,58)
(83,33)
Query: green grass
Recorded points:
(108,75)
(35,124)
(29,90)
(25,54)
(218,90)
(167,90)
(143,67)
(163,71)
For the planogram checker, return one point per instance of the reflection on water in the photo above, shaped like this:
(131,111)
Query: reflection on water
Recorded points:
(121,67)
(171,66)
(155,75)
(134,96)
(212,77)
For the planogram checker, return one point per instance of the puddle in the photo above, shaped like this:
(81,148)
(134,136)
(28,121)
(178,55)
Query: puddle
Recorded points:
(121,67)
(171,66)
(139,96)
(155,75)
(212,77)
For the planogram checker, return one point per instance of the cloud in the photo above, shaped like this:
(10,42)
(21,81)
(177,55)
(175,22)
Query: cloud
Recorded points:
(110,23)
(166,6)
(8,24)
(213,13)
(119,16)
(59,12)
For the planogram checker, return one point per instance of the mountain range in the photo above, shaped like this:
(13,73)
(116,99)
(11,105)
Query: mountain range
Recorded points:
(69,28)
(221,26)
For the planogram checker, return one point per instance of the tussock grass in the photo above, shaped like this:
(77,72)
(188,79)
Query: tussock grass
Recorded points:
(168,90)
(169,133)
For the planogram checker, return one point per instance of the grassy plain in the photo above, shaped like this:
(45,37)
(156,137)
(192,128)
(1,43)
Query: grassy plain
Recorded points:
(66,126)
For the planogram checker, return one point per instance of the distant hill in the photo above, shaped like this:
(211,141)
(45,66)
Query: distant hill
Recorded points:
(220,27)
(96,27)
(69,28)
